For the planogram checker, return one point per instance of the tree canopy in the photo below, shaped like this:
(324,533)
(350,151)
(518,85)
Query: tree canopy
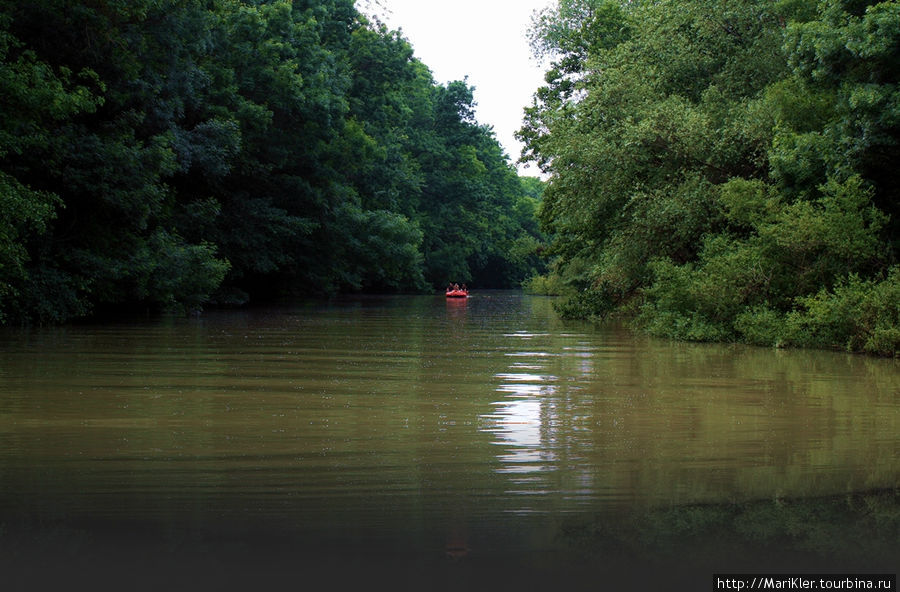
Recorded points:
(724,170)
(182,152)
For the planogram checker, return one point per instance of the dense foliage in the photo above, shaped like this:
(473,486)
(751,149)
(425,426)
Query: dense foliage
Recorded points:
(177,152)
(724,170)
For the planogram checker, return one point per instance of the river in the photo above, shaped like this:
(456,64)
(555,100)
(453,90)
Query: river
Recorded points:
(420,443)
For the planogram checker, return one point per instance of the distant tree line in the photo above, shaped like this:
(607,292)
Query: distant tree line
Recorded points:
(159,153)
(724,170)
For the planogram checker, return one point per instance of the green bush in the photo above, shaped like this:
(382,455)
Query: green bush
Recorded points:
(550,284)
(857,315)
(760,325)
(585,304)
(682,304)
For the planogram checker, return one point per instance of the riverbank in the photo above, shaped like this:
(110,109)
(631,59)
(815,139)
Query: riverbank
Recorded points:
(856,316)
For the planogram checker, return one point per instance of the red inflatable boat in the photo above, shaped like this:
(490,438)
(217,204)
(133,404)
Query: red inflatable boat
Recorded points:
(457,293)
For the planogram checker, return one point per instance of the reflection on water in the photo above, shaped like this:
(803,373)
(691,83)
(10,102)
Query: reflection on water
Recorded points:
(425,434)
(589,417)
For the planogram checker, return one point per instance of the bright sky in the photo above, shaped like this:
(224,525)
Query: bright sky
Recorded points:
(485,40)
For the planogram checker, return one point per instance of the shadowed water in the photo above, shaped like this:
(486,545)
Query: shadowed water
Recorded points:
(421,443)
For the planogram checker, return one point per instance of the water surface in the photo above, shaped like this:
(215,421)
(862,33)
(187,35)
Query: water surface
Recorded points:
(429,443)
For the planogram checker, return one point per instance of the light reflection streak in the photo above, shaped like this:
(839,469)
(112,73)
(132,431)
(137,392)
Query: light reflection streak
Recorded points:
(517,424)
(520,377)
(525,335)
(524,390)
(525,422)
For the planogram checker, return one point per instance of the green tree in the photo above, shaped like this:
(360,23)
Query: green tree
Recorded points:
(469,195)
(161,154)
(718,166)
(36,99)
(109,163)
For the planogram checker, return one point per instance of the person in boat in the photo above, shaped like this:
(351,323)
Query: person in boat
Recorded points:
(465,289)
